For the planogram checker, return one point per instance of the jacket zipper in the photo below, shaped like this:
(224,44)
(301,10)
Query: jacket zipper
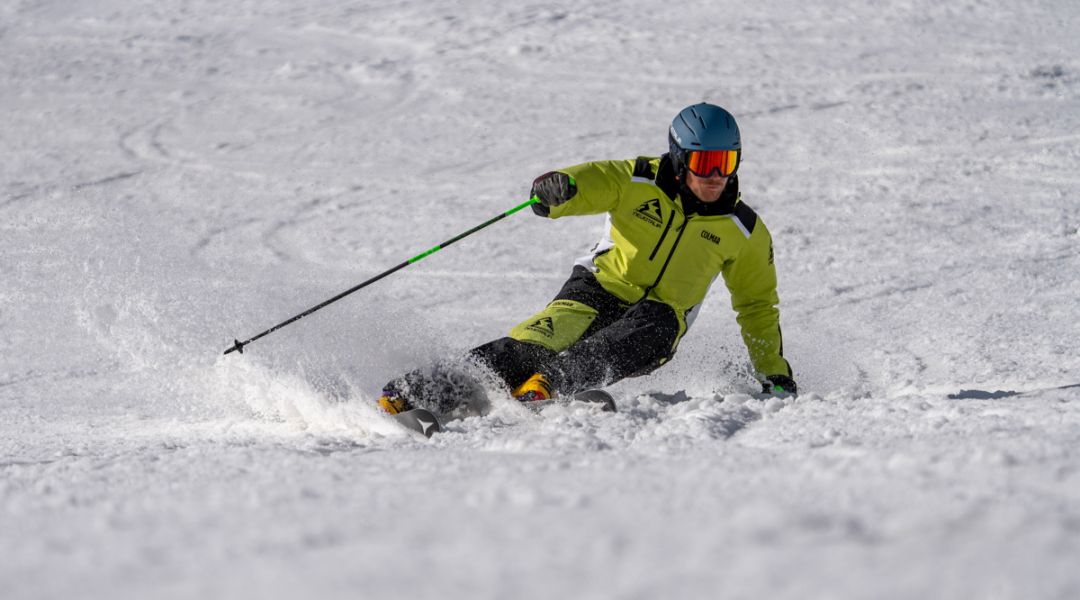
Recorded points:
(674,246)
(662,236)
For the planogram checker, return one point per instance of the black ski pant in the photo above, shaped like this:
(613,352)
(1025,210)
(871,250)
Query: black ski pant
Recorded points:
(621,340)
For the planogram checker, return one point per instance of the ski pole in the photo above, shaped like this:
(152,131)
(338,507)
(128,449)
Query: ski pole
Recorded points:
(239,346)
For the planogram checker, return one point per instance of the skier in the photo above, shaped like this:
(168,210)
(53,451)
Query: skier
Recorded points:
(675,222)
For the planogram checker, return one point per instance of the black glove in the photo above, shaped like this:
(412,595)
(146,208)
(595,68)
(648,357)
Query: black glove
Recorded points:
(553,188)
(779,383)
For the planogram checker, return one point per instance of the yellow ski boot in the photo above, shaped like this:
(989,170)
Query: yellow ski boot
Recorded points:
(393,401)
(535,388)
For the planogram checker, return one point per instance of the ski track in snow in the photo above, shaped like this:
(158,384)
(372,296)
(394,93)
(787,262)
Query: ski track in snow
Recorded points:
(177,174)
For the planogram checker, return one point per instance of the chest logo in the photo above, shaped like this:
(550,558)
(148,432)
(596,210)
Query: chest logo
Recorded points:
(649,211)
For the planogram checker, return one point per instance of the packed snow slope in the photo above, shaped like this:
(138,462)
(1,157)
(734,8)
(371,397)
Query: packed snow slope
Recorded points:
(176,174)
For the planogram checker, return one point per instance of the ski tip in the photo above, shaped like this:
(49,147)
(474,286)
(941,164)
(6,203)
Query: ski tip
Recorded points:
(599,397)
(419,420)
(604,399)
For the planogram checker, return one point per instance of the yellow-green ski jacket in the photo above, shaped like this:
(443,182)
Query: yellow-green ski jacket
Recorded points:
(667,247)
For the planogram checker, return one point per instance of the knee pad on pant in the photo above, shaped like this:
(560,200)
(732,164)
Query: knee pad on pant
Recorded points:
(560,325)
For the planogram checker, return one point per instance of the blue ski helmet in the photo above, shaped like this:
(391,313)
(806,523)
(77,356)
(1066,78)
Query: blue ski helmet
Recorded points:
(703,127)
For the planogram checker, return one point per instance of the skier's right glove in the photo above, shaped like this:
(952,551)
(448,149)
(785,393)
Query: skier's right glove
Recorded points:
(779,384)
(553,188)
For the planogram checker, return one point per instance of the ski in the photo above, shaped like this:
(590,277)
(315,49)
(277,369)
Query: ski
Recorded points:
(425,422)
(997,395)
(597,397)
(420,421)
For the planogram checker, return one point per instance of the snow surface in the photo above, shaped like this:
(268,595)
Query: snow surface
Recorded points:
(174,174)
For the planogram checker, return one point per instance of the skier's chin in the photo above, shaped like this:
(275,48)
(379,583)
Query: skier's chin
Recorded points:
(707,189)
(710,194)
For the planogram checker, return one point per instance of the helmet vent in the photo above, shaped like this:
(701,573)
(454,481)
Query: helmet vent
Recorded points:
(697,131)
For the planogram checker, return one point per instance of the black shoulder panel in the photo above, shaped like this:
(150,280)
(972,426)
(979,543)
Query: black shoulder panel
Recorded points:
(746,216)
(643,168)
(665,177)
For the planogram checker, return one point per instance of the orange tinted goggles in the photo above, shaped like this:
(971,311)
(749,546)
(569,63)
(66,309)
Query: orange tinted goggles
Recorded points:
(703,162)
